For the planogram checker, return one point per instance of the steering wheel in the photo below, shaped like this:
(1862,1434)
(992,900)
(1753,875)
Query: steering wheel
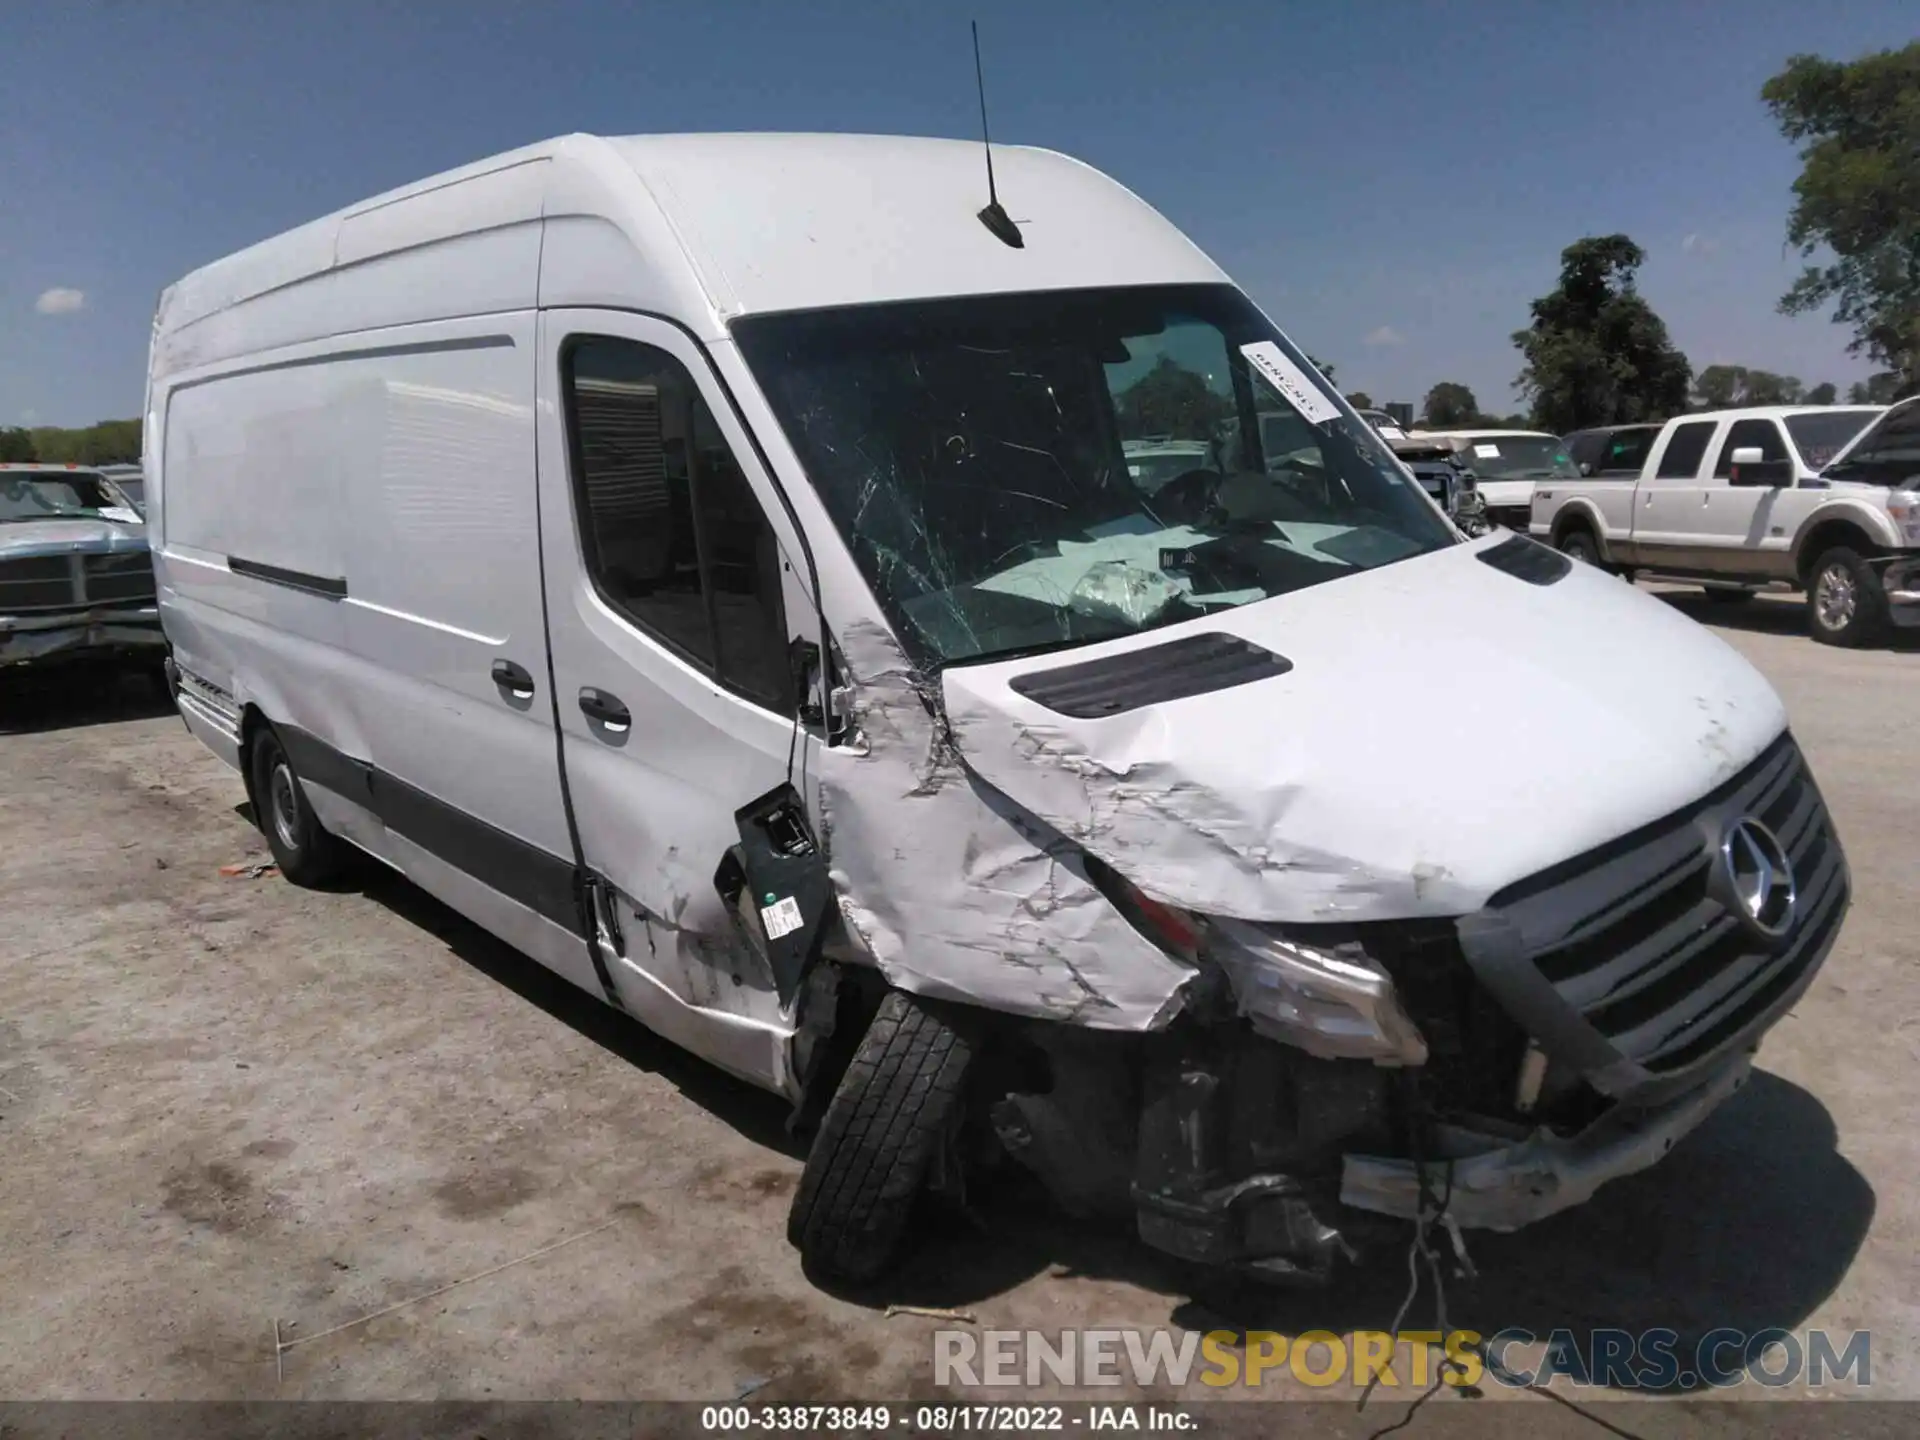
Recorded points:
(1187,497)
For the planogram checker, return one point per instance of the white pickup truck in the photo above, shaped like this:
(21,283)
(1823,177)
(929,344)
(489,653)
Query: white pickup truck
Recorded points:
(1796,497)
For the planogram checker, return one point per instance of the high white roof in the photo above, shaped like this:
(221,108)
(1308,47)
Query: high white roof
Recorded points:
(703,228)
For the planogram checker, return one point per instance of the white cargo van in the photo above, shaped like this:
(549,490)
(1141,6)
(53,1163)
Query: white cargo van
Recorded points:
(712,564)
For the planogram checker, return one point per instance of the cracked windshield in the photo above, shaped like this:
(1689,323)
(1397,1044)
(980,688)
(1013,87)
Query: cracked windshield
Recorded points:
(1019,473)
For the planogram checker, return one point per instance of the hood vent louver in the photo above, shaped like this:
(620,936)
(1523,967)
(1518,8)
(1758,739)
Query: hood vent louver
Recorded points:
(1159,673)
(1527,560)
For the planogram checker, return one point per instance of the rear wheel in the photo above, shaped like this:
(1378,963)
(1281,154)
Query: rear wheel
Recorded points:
(896,1108)
(1845,602)
(306,854)
(1579,544)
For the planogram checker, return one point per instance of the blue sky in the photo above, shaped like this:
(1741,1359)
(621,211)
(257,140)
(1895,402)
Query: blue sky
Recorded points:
(1393,180)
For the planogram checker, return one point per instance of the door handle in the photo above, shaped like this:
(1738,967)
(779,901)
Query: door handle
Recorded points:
(605,709)
(513,678)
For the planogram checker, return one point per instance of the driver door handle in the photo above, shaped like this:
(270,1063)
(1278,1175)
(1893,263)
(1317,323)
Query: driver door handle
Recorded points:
(513,679)
(604,709)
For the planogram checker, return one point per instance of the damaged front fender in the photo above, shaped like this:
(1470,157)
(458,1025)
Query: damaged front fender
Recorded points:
(954,891)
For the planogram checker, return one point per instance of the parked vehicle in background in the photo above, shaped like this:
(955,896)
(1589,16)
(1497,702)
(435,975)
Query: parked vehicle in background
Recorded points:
(1612,449)
(1438,468)
(1787,496)
(76,577)
(1507,464)
(130,481)
(711,564)
(1388,427)
(1155,460)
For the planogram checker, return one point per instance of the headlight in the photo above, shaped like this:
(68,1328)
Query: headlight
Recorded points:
(1334,1006)
(1904,507)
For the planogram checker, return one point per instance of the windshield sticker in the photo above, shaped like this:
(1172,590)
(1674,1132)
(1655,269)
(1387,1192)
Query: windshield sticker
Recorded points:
(1291,381)
(1487,452)
(120,513)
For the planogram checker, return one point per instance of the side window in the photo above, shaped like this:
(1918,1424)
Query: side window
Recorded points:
(1762,433)
(1627,452)
(1685,449)
(671,533)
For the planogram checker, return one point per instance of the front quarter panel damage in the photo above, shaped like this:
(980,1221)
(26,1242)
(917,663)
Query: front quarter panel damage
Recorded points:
(952,890)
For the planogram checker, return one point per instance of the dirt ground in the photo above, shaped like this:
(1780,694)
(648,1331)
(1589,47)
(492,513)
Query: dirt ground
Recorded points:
(227,1105)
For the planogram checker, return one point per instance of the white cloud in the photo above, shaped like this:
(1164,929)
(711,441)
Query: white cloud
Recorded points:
(1698,244)
(1385,335)
(60,301)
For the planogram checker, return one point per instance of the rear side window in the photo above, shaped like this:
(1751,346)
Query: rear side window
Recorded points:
(1763,434)
(1681,459)
(1627,451)
(670,531)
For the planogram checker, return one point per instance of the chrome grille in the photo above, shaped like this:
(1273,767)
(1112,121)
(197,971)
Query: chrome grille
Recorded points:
(43,582)
(119,578)
(1646,972)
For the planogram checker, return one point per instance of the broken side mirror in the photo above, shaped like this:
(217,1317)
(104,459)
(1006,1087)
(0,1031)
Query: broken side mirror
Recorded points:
(775,886)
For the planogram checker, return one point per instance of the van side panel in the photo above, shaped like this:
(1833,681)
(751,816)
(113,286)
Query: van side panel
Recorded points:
(354,546)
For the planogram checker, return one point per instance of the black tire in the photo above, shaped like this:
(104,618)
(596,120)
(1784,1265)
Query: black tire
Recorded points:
(887,1121)
(1726,597)
(306,854)
(1579,544)
(1846,604)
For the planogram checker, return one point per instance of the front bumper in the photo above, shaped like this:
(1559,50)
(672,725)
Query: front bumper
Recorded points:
(28,639)
(1506,1187)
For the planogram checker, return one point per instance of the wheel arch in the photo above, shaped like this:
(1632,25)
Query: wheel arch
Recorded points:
(1846,525)
(1580,514)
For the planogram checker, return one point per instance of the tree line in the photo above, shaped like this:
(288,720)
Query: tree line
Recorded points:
(107,442)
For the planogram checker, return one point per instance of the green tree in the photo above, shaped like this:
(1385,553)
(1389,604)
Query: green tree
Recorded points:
(17,444)
(1360,400)
(1719,387)
(1825,393)
(1450,404)
(1172,400)
(1323,367)
(1858,196)
(1596,354)
(1763,387)
(108,442)
(1881,389)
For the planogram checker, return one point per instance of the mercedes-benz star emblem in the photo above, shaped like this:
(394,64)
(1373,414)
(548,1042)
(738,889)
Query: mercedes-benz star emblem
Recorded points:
(1761,878)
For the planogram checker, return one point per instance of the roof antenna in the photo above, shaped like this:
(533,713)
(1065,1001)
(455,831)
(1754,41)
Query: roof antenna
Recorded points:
(993,217)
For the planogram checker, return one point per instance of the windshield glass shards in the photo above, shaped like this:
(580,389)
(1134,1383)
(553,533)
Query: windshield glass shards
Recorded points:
(1023,472)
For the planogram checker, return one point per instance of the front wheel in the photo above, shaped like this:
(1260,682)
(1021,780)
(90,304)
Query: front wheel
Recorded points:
(1846,604)
(303,849)
(883,1130)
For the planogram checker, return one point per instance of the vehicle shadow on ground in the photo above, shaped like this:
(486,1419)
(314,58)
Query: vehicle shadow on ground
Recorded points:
(757,1115)
(1766,615)
(1749,1224)
(34,701)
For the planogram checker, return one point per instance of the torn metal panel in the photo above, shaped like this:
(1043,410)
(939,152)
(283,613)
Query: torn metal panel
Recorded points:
(1415,758)
(953,892)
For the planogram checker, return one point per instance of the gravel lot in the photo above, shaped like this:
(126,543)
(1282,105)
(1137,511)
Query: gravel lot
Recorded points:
(226,1103)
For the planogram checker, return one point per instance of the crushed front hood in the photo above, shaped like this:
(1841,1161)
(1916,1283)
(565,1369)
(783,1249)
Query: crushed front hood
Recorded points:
(1445,729)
